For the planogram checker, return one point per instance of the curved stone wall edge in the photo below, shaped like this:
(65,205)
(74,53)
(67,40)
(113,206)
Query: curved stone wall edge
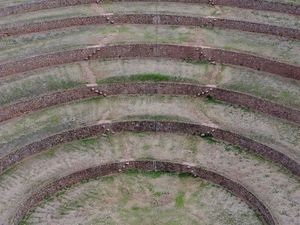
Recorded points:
(150,126)
(249,4)
(109,169)
(159,19)
(180,52)
(161,88)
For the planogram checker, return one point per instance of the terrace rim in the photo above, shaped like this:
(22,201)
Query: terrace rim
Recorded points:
(151,19)
(180,52)
(145,165)
(149,88)
(150,126)
(249,4)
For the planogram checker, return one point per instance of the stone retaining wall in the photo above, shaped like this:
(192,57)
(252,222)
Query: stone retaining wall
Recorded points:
(152,50)
(40,5)
(114,168)
(151,126)
(164,88)
(151,19)
(249,4)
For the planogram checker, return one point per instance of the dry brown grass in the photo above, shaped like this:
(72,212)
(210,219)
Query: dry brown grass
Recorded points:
(272,185)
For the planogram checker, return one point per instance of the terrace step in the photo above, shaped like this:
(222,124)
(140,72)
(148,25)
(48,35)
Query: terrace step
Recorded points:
(153,19)
(169,51)
(250,4)
(132,186)
(255,174)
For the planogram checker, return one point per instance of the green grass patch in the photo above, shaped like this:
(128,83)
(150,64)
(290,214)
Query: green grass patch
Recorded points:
(156,174)
(88,141)
(210,99)
(108,179)
(8,172)
(137,134)
(132,172)
(210,140)
(263,89)
(60,193)
(158,194)
(185,175)
(51,153)
(179,200)
(32,88)
(25,221)
(135,208)
(153,174)
(244,108)
(146,147)
(197,62)
(231,148)
(154,77)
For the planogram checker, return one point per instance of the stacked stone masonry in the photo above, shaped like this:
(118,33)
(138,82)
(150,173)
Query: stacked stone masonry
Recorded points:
(114,168)
(151,126)
(152,19)
(249,4)
(168,88)
(150,51)
(178,52)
